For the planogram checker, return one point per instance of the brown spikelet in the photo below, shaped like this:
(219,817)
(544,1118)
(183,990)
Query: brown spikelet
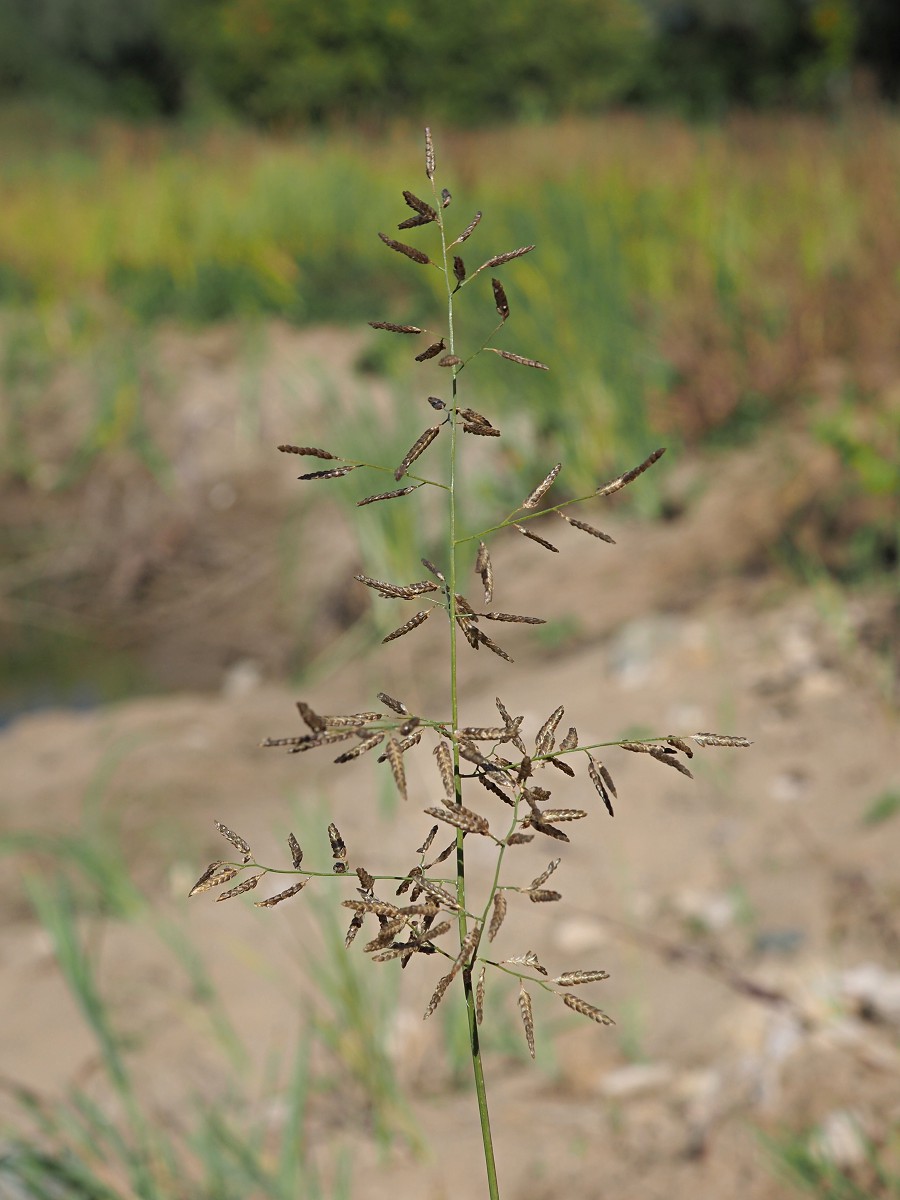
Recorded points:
(587,1010)
(310,451)
(296,852)
(492,646)
(351,721)
(236,840)
(583,525)
(431,351)
(450,360)
(542,488)
(392,328)
(363,748)
(444,898)
(414,873)
(338,848)
(680,744)
(445,198)
(334,473)
(468,231)
(444,854)
(307,741)
(521,839)
(512,618)
(312,719)
(436,403)
(623,480)
(339,868)
(438,995)
(386,935)
(498,914)
(396,705)
(666,754)
(395,758)
(417,256)
(484,568)
(367,882)
(573,978)
(600,779)
(418,447)
(463,818)
(561,766)
(480,430)
(473,417)
(246,886)
(285,895)
(488,784)
(546,738)
(721,739)
(500,299)
(528,959)
(527,1018)
(419,206)
(467,949)
(429,566)
(519,358)
(570,741)
(499,259)
(353,929)
(524,771)
(408,626)
(414,222)
(381,908)
(459,268)
(405,743)
(215,873)
(534,537)
(389,495)
(541,879)
(426,845)
(479,997)
(487,733)
(429,153)
(563,814)
(544,896)
(548,830)
(445,766)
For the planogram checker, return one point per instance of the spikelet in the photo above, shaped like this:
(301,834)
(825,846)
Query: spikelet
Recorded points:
(587,1010)
(471,417)
(236,840)
(467,232)
(512,618)
(544,896)
(353,929)
(480,430)
(285,895)
(467,949)
(408,626)
(541,879)
(444,854)
(521,839)
(534,537)
(542,488)
(334,473)
(312,719)
(405,743)
(546,738)
(418,447)
(570,741)
(680,744)
(417,256)
(367,882)
(443,897)
(583,525)
(296,852)
(364,747)
(397,706)
(338,847)
(445,198)
(485,570)
(392,328)
(463,818)
(414,873)
(518,358)
(524,771)
(497,915)
(431,351)
(561,766)
(527,1017)
(666,754)
(563,814)
(720,739)
(602,781)
(492,645)
(419,206)
(351,721)
(436,403)
(414,221)
(426,845)
(215,873)
(548,830)
(500,299)
(429,153)
(573,978)
(395,758)
(459,268)
(385,935)
(623,480)
(443,983)
(429,566)
(528,959)
(309,451)
(479,997)
(381,908)
(445,766)
(488,784)
(450,360)
(394,495)
(499,259)
(246,886)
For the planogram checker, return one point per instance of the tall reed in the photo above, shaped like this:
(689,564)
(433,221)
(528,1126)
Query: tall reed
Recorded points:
(478,764)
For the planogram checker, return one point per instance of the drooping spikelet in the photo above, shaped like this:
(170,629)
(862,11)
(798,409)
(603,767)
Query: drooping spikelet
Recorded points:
(246,885)
(417,256)
(485,570)
(395,758)
(527,1015)
(583,525)
(534,537)
(587,1010)
(602,781)
(497,915)
(467,232)
(394,495)
(500,299)
(215,874)
(296,852)
(285,895)
(445,766)
(462,818)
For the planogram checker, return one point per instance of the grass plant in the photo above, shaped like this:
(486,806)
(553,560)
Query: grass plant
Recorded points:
(493,787)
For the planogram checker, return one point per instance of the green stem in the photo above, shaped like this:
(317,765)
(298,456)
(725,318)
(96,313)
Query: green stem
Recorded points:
(474,1044)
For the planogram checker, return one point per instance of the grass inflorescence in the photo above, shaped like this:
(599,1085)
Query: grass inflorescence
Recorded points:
(430,914)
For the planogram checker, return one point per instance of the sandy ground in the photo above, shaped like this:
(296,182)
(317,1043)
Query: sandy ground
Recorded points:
(749,918)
